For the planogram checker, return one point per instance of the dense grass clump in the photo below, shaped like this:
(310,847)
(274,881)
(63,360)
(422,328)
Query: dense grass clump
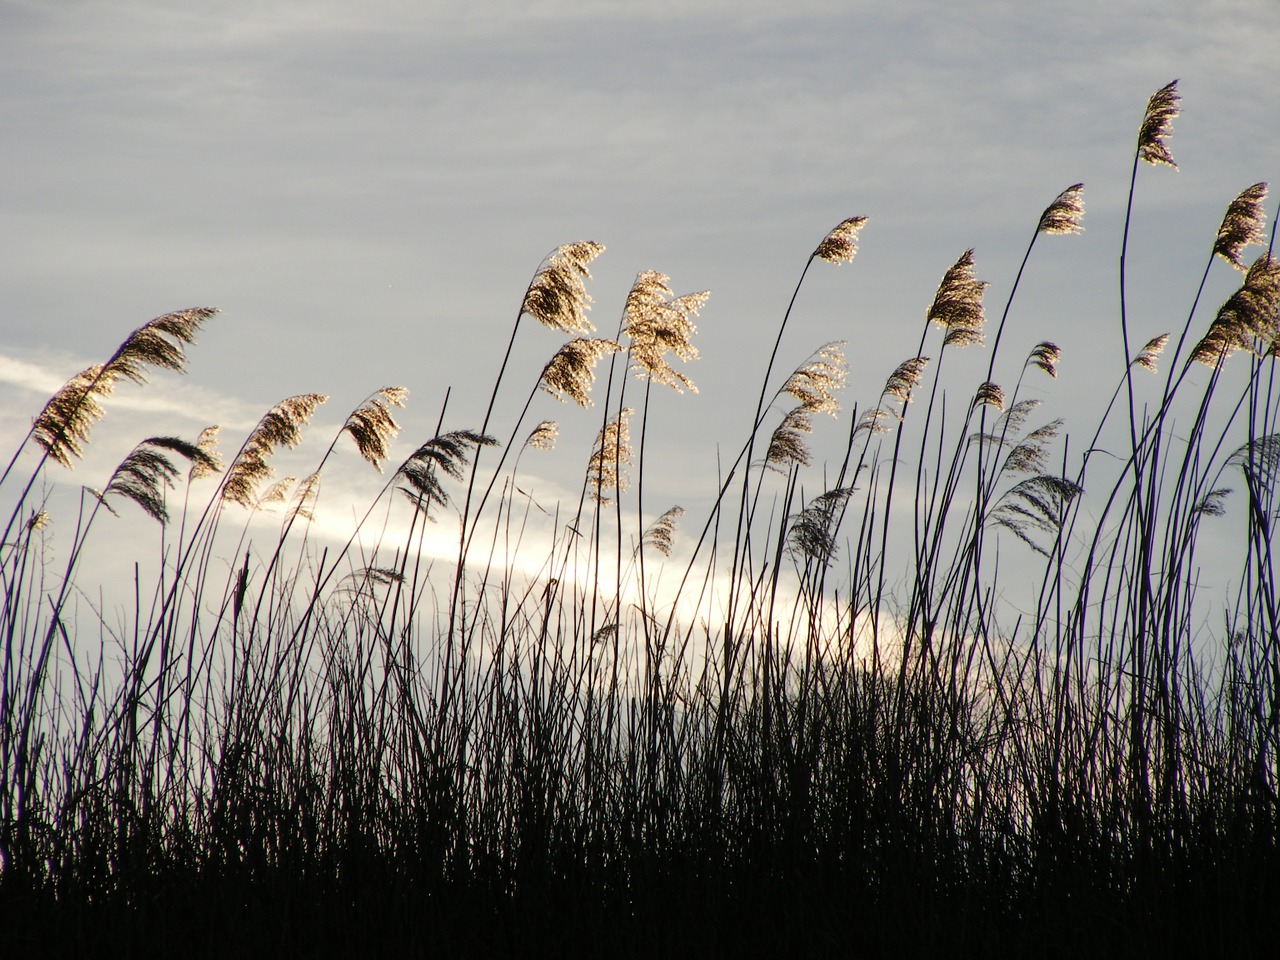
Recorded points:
(802,723)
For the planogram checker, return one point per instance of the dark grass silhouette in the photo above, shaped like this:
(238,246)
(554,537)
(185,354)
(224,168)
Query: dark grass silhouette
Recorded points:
(823,734)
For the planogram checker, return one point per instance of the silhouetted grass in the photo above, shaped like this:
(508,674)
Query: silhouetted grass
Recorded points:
(809,725)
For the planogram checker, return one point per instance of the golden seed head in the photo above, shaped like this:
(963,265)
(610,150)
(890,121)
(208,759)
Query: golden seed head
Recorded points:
(841,244)
(786,445)
(557,296)
(957,305)
(905,377)
(1244,223)
(611,454)
(1065,213)
(658,323)
(1157,124)
(814,383)
(543,436)
(1251,314)
(570,373)
(989,394)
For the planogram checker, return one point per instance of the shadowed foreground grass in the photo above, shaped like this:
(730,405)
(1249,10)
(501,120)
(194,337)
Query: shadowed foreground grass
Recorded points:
(825,733)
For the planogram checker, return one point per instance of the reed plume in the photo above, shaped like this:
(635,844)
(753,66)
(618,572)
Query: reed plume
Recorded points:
(1031,453)
(611,453)
(658,322)
(305,497)
(812,535)
(905,378)
(841,244)
(144,475)
(1045,356)
(1249,315)
(1065,213)
(814,383)
(62,427)
(557,296)
(570,373)
(372,426)
(1148,355)
(957,306)
(543,436)
(1035,504)
(448,453)
(1157,124)
(661,533)
(211,462)
(1242,225)
(989,394)
(786,445)
(281,426)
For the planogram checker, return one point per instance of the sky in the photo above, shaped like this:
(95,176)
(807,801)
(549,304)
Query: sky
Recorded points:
(364,191)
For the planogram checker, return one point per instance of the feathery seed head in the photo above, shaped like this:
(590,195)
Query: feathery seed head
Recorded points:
(1157,124)
(878,420)
(814,383)
(543,436)
(1147,356)
(657,323)
(569,374)
(1065,213)
(372,426)
(62,427)
(957,305)
(841,244)
(989,394)
(305,497)
(611,454)
(1242,225)
(280,426)
(905,377)
(1250,314)
(661,533)
(1045,355)
(447,452)
(812,535)
(557,296)
(211,462)
(786,445)
(145,474)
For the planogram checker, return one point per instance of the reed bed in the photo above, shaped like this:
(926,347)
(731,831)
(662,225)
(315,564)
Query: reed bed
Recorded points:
(804,722)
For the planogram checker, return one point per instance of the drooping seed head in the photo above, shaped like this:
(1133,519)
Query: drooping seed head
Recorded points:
(1242,224)
(1157,124)
(841,244)
(1065,213)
